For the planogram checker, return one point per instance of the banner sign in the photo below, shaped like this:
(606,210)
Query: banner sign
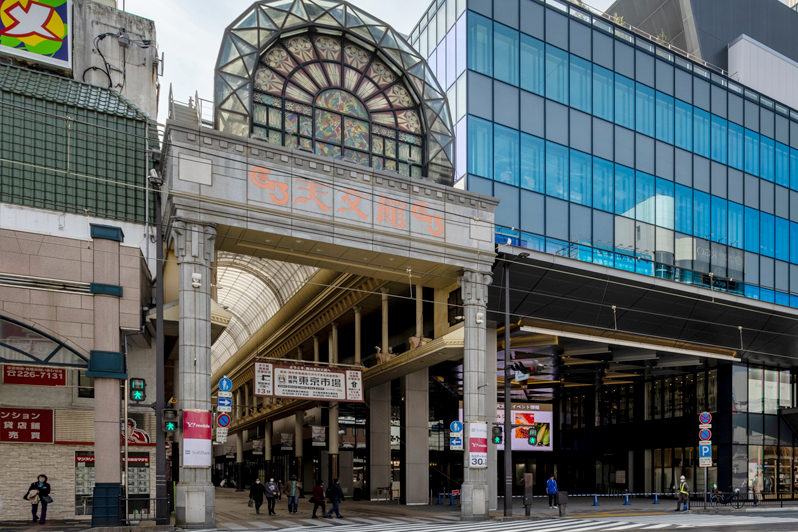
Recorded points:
(196,438)
(477,445)
(34,375)
(319,436)
(300,381)
(531,414)
(287,441)
(26,425)
(38,31)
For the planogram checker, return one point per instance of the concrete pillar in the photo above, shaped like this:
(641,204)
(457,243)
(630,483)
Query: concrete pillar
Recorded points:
(107,393)
(267,448)
(490,411)
(358,335)
(245,401)
(299,353)
(194,248)
(299,419)
(415,438)
(475,298)
(237,406)
(379,401)
(333,429)
(316,348)
(240,438)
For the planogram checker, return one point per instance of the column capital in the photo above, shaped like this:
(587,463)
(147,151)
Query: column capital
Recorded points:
(334,324)
(384,290)
(358,309)
(475,287)
(194,241)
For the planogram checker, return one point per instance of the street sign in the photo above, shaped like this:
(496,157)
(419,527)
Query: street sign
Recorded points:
(455,444)
(225,401)
(225,384)
(704,418)
(222,420)
(705,426)
(224,408)
(456,426)
(226,394)
(705,462)
(704,451)
(521,376)
(221,434)
(704,434)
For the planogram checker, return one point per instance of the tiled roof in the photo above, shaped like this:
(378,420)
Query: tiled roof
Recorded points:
(50,87)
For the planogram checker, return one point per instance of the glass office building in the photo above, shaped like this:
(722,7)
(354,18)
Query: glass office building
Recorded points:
(607,148)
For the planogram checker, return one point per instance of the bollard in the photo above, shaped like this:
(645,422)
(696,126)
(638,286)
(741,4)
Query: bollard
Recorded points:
(595,500)
(656,500)
(626,503)
(439,497)
(451,499)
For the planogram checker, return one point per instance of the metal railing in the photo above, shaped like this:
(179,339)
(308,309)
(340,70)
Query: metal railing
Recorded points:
(134,510)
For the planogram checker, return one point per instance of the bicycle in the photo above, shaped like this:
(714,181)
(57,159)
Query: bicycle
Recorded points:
(734,499)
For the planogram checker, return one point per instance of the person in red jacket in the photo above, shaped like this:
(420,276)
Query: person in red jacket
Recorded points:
(318,499)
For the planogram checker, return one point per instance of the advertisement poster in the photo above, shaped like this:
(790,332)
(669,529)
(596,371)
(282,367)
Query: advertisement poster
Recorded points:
(530,414)
(196,438)
(39,31)
(477,445)
(34,375)
(319,436)
(26,425)
(300,381)
(287,441)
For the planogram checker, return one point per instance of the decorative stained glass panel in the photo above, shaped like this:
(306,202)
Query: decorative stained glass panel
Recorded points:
(390,165)
(404,152)
(328,150)
(415,171)
(303,80)
(304,143)
(366,89)
(328,126)
(279,60)
(328,47)
(305,125)
(381,74)
(415,153)
(295,93)
(343,102)
(390,148)
(355,56)
(351,77)
(275,117)
(291,122)
(260,114)
(377,103)
(270,100)
(291,141)
(275,137)
(356,134)
(376,145)
(384,118)
(356,157)
(408,120)
(399,96)
(404,169)
(260,131)
(377,163)
(268,81)
(301,48)
(314,69)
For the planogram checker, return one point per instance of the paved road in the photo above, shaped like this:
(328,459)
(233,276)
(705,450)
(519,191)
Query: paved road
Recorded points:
(741,522)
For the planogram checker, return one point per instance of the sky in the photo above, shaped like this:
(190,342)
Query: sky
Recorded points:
(189,33)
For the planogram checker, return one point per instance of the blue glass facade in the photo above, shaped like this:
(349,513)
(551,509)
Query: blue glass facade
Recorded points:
(608,149)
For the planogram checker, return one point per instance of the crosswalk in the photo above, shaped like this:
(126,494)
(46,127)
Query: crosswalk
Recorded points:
(451,524)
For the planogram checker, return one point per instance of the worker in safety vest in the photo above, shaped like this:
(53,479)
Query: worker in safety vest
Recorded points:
(683,495)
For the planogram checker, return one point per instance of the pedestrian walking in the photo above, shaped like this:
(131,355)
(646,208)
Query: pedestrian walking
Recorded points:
(256,493)
(291,491)
(39,493)
(272,492)
(358,486)
(551,490)
(336,496)
(684,495)
(318,499)
(280,489)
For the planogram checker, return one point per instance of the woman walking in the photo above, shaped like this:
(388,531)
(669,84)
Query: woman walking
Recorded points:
(39,492)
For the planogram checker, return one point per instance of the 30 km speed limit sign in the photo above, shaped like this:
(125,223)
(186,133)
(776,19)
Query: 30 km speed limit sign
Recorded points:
(477,445)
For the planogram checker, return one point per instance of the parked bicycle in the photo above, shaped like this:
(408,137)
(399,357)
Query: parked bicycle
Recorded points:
(735,498)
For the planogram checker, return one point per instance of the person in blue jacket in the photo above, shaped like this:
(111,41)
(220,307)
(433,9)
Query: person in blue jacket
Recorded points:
(551,490)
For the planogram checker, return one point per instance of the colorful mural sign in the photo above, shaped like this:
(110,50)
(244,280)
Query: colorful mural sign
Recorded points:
(37,30)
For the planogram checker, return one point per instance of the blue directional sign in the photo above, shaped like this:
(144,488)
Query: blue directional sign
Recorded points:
(705,451)
(225,384)
(225,401)
(456,426)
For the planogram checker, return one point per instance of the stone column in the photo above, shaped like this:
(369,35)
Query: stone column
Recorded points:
(107,392)
(237,405)
(333,429)
(490,411)
(316,348)
(267,449)
(240,437)
(358,335)
(379,401)
(194,247)
(474,286)
(415,438)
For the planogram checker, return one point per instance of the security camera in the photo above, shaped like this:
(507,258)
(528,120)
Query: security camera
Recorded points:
(480,317)
(195,279)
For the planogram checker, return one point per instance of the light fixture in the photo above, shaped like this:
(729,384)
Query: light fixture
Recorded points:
(480,318)
(523,255)
(196,278)
(155,178)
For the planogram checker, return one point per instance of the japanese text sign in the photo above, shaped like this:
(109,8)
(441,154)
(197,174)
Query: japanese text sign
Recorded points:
(196,438)
(297,381)
(26,425)
(34,375)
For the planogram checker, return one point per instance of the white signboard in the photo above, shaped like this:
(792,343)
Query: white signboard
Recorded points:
(227,395)
(300,381)
(287,441)
(196,439)
(705,462)
(477,445)
(221,434)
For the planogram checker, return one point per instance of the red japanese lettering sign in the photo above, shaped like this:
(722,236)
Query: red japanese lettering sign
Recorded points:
(34,375)
(26,425)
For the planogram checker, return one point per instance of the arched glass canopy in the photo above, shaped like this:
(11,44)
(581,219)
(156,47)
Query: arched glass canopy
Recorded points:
(324,76)
(252,290)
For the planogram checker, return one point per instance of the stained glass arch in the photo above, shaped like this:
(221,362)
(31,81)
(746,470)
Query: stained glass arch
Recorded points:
(324,76)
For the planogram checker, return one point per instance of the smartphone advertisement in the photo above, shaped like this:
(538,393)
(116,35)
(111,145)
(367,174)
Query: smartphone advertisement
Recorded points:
(539,416)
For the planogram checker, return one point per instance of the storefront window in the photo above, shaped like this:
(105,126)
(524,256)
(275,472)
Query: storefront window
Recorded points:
(668,402)
(658,399)
(701,391)
(739,428)
(755,376)
(784,477)
(771,391)
(739,468)
(739,389)
(785,395)
(678,397)
(85,385)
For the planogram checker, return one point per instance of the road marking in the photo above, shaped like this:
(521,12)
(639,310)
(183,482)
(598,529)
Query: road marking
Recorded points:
(663,525)
(233,526)
(259,524)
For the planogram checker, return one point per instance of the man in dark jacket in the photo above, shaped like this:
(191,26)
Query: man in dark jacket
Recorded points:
(272,492)
(256,493)
(39,490)
(336,495)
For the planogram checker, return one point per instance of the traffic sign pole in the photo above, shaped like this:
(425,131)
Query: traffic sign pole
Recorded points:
(705,447)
